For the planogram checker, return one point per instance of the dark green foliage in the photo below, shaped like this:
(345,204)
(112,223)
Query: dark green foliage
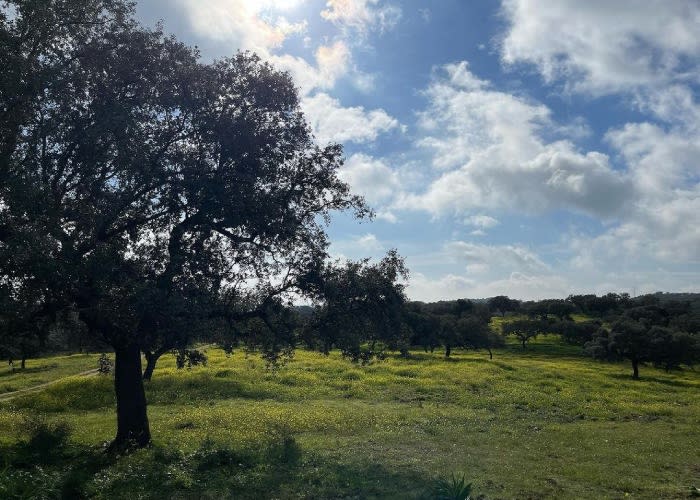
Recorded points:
(452,489)
(576,333)
(361,309)
(525,329)
(502,305)
(600,306)
(45,437)
(671,348)
(144,191)
(641,341)
(189,358)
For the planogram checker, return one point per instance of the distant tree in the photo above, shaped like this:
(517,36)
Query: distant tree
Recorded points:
(576,333)
(536,309)
(648,315)
(501,304)
(640,342)
(671,348)
(525,329)
(562,309)
(424,327)
(474,333)
(626,339)
(448,333)
(361,307)
(463,307)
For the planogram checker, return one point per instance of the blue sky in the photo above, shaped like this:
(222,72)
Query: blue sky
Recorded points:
(521,147)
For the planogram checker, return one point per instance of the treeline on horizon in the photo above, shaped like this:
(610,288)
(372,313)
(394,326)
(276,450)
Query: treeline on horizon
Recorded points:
(660,328)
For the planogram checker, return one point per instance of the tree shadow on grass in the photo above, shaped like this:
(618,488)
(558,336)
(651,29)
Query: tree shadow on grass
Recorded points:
(646,378)
(48,466)
(27,371)
(278,469)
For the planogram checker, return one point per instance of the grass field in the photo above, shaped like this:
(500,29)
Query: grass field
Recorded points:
(543,423)
(43,370)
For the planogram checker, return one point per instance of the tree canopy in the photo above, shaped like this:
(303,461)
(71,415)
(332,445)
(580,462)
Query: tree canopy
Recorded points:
(147,191)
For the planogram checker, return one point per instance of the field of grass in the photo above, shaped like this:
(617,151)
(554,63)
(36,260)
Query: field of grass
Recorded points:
(540,423)
(43,370)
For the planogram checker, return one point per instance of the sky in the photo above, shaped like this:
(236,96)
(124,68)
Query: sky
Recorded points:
(527,148)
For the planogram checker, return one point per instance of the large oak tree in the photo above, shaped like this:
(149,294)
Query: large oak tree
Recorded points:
(146,191)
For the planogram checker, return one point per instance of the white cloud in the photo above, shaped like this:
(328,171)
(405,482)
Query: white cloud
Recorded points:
(490,142)
(482,221)
(362,15)
(516,285)
(370,177)
(369,242)
(250,25)
(333,123)
(332,62)
(600,46)
(508,258)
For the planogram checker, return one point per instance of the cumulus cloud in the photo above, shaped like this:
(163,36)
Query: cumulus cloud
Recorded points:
(362,15)
(600,46)
(246,24)
(332,62)
(333,123)
(491,146)
(371,178)
(482,221)
(508,258)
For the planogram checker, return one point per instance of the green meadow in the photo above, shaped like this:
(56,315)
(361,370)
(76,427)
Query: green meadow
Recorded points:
(541,423)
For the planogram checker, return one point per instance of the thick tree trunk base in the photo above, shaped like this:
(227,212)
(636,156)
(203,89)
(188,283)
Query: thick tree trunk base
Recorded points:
(132,421)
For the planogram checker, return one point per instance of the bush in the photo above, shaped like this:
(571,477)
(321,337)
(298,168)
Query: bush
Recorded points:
(46,437)
(452,489)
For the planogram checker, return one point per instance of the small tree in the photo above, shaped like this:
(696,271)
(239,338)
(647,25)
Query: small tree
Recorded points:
(474,333)
(627,339)
(361,307)
(671,348)
(501,304)
(576,333)
(524,329)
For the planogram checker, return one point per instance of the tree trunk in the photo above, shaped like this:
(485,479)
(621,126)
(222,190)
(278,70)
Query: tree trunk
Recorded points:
(22,363)
(448,351)
(523,341)
(132,421)
(151,359)
(490,353)
(635,369)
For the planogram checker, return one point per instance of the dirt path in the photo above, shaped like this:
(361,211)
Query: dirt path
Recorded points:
(10,395)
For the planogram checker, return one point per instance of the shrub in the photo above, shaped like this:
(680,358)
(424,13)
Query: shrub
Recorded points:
(46,437)
(452,489)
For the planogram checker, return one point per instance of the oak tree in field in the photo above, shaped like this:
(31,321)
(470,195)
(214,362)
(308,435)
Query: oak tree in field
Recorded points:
(502,304)
(640,342)
(525,329)
(361,307)
(146,192)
